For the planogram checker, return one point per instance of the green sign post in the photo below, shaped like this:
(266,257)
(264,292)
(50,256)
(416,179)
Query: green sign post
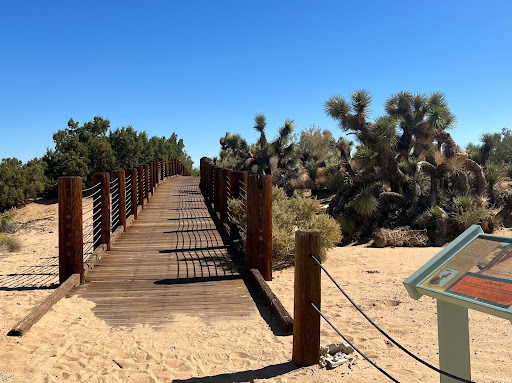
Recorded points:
(472,272)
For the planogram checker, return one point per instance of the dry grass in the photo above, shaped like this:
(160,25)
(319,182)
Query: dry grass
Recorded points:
(400,237)
(10,243)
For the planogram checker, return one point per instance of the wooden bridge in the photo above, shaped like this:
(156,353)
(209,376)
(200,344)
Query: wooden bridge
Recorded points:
(171,261)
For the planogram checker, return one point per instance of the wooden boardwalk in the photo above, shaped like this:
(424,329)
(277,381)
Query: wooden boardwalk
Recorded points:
(171,261)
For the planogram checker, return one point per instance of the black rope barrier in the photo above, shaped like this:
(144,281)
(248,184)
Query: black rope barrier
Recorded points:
(415,357)
(352,345)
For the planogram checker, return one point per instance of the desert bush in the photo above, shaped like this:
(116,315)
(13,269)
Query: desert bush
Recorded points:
(400,237)
(20,182)
(7,225)
(298,213)
(9,242)
(288,215)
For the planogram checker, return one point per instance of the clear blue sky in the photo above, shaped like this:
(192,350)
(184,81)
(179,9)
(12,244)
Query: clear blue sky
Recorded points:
(201,68)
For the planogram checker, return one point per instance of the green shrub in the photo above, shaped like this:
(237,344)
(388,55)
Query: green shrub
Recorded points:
(288,215)
(19,182)
(6,218)
(299,213)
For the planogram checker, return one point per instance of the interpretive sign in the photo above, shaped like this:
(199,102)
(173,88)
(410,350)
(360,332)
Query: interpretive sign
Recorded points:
(475,270)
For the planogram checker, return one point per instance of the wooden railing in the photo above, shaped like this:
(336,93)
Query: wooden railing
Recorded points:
(254,229)
(90,219)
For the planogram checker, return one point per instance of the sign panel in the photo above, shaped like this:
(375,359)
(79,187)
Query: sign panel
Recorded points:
(476,269)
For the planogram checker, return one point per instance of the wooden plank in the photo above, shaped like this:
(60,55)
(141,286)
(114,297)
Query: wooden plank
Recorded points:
(37,312)
(172,260)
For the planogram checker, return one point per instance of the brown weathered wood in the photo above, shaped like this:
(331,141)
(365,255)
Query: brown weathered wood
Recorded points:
(223,195)
(102,207)
(151,178)
(140,186)
(276,307)
(147,181)
(70,228)
(306,325)
(258,248)
(133,189)
(37,312)
(172,261)
(216,188)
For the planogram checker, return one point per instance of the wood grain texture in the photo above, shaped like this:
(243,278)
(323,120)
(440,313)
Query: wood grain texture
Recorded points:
(306,325)
(258,248)
(37,312)
(171,264)
(70,228)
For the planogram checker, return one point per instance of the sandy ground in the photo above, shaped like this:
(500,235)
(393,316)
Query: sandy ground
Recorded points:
(71,344)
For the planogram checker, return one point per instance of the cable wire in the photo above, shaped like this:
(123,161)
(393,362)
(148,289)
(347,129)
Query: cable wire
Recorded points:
(352,345)
(384,333)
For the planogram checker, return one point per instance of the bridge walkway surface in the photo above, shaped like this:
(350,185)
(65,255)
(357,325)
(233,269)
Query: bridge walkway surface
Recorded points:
(171,260)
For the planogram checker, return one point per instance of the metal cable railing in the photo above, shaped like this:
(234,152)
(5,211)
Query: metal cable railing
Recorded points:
(402,348)
(90,226)
(114,205)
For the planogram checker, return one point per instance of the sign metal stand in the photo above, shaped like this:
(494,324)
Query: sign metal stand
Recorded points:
(472,272)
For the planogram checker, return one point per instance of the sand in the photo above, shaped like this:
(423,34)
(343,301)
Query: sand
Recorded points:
(71,344)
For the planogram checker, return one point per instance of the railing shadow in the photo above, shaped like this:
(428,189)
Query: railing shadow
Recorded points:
(268,372)
(35,277)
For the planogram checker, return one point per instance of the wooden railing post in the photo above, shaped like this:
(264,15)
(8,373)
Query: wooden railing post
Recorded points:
(146,180)
(121,184)
(306,320)
(209,183)
(70,228)
(216,188)
(223,195)
(155,174)
(102,207)
(237,180)
(202,163)
(133,188)
(151,177)
(258,248)
(140,186)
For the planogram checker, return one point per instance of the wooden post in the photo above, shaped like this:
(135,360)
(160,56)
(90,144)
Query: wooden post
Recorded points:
(102,207)
(237,180)
(146,180)
(216,188)
(70,228)
(258,249)
(151,178)
(306,320)
(133,187)
(155,174)
(223,195)
(140,186)
(209,183)
(121,185)
(211,179)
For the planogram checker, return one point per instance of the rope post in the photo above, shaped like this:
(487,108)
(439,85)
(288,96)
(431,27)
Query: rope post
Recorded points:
(133,188)
(258,247)
(237,180)
(151,177)
(223,195)
(70,228)
(140,186)
(102,206)
(306,322)
(121,186)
